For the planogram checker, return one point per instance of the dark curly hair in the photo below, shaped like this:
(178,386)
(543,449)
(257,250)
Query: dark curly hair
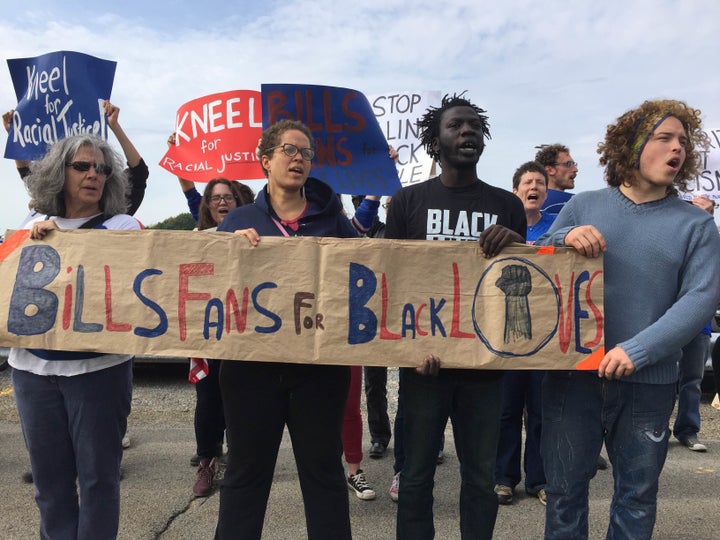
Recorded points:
(242,193)
(625,139)
(429,123)
(548,155)
(271,136)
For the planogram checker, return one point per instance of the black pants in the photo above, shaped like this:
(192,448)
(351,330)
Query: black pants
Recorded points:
(260,399)
(209,414)
(377,405)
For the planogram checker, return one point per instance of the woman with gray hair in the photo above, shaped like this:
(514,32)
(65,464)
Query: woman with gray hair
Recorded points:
(73,406)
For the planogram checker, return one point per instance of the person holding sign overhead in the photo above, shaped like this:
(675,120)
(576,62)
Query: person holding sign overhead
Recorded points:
(137,170)
(209,209)
(261,398)
(73,406)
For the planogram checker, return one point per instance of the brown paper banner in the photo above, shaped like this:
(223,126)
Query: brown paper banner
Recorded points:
(306,300)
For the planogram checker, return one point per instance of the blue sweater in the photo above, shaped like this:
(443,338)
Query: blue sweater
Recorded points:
(661,274)
(324,216)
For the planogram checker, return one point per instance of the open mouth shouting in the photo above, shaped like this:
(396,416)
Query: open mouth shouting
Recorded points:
(674,164)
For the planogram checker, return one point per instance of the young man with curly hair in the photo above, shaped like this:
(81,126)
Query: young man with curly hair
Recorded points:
(456,205)
(662,283)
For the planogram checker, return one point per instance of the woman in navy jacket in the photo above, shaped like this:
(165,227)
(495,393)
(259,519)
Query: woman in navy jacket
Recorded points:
(261,398)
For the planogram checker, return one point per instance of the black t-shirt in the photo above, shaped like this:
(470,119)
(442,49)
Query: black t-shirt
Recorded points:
(432,211)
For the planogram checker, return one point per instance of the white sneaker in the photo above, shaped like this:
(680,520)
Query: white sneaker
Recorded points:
(126,440)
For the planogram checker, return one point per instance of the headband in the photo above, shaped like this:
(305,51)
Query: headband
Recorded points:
(644,127)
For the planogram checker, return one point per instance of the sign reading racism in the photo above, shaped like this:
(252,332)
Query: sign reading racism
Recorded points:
(305,299)
(216,136)
(351,150)
(59,94)
(398,113)
(708,181)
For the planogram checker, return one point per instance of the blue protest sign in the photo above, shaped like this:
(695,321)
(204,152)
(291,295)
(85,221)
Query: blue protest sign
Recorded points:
(351,151)
(59,94)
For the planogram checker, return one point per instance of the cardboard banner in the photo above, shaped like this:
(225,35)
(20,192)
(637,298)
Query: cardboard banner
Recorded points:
(351,150)
(305,299)
(59,94)
(708,182)
(398,113)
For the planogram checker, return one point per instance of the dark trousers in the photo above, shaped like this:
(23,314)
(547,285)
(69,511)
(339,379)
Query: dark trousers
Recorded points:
(521,400)
(260,400)
(377,405)
(473,406)
(209,414)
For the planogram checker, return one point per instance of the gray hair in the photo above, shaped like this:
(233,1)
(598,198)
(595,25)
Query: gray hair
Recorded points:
(46,180)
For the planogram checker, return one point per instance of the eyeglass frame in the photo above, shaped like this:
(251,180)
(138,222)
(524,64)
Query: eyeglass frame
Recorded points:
(569,164)
(84,166)
(215,199)
(303,151)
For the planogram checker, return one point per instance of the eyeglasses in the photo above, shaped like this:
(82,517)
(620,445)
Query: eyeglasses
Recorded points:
(290,150)
(84,166)
(215,199)
(568,164)
(386,205)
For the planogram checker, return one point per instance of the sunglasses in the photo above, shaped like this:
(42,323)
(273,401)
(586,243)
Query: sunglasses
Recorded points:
(84,166)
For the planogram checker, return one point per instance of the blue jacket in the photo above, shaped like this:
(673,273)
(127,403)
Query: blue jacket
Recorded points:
(324,216)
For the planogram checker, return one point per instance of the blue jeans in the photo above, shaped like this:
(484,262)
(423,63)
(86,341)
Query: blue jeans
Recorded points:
(521,392)
(692,368)
(581,410)
(73,428)
(473,405)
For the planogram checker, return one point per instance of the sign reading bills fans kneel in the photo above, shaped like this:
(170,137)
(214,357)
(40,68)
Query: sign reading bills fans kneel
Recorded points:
(305,300)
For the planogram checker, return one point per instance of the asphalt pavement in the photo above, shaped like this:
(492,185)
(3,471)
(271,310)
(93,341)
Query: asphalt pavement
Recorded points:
(157,501)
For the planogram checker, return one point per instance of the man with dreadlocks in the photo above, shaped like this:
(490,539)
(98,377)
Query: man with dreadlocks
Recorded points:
(456,205)
(662,283)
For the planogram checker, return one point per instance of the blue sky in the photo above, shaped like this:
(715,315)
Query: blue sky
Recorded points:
(545,71)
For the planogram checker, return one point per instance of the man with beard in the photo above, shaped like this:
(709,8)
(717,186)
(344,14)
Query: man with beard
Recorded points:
(561,171)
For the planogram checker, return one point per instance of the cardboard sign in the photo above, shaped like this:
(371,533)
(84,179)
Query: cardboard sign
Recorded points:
(59,94)
(216,137)
(708,181)
(398,113)
(304,299)
(351,150)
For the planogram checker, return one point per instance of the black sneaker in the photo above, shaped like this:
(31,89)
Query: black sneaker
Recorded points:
(360,486)
(692,443)
(504,494)
(377,450)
